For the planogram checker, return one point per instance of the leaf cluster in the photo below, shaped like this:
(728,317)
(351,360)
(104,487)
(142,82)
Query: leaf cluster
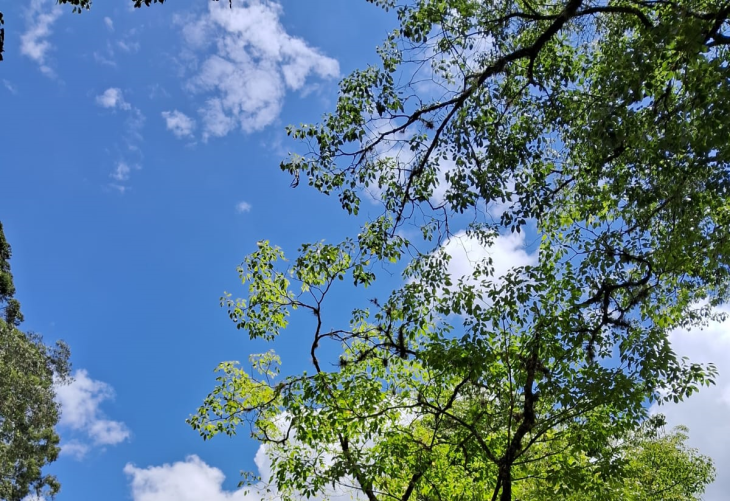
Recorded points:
(29,371)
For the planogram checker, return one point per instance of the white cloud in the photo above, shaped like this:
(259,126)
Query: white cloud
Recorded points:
(128,46)
(105,59)
(189,480)
(40,17)
(242,207)
(157,91)
(80,404)
(253,64)
(121,172)
(75,449)
(393,150)
(194,480)
(107,432)
(135,123)
(11,88)
(108,54)
(706,413)
(438,197)
(105,55)
(179,123)
(507,252)
(113,98)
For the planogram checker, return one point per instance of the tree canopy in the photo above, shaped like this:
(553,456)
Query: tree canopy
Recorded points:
(654,464)
(28,412)
(596,128)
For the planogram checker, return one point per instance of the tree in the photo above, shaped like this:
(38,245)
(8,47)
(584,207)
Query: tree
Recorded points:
(654,464)
(597,128)
(28,412)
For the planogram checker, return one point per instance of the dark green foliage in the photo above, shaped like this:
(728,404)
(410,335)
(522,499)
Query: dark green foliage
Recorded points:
(28,412)
(10,306)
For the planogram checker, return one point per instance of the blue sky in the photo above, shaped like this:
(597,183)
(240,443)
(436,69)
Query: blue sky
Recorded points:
(140,153)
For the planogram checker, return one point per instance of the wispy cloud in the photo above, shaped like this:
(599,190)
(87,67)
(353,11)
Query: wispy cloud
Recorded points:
(122,171)
(113,99)
(127,43)
(242,207)
(11,88)
(34,43)
(105,57)
(179,123)
(129,46)
(253,63)
(157,91)
(80,404)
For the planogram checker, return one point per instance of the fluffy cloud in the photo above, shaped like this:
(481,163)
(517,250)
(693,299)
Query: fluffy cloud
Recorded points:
(40,17)
(253,63)
(109,23)
(113,98)
(194,480)
(189,480)
(507,251)
(705,413)
(106,432)
(179,123)
(242,207)
(121,172)
(80,404)
(75,449)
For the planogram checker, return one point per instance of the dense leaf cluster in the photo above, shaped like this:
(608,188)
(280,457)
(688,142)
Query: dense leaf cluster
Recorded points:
(29,369)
